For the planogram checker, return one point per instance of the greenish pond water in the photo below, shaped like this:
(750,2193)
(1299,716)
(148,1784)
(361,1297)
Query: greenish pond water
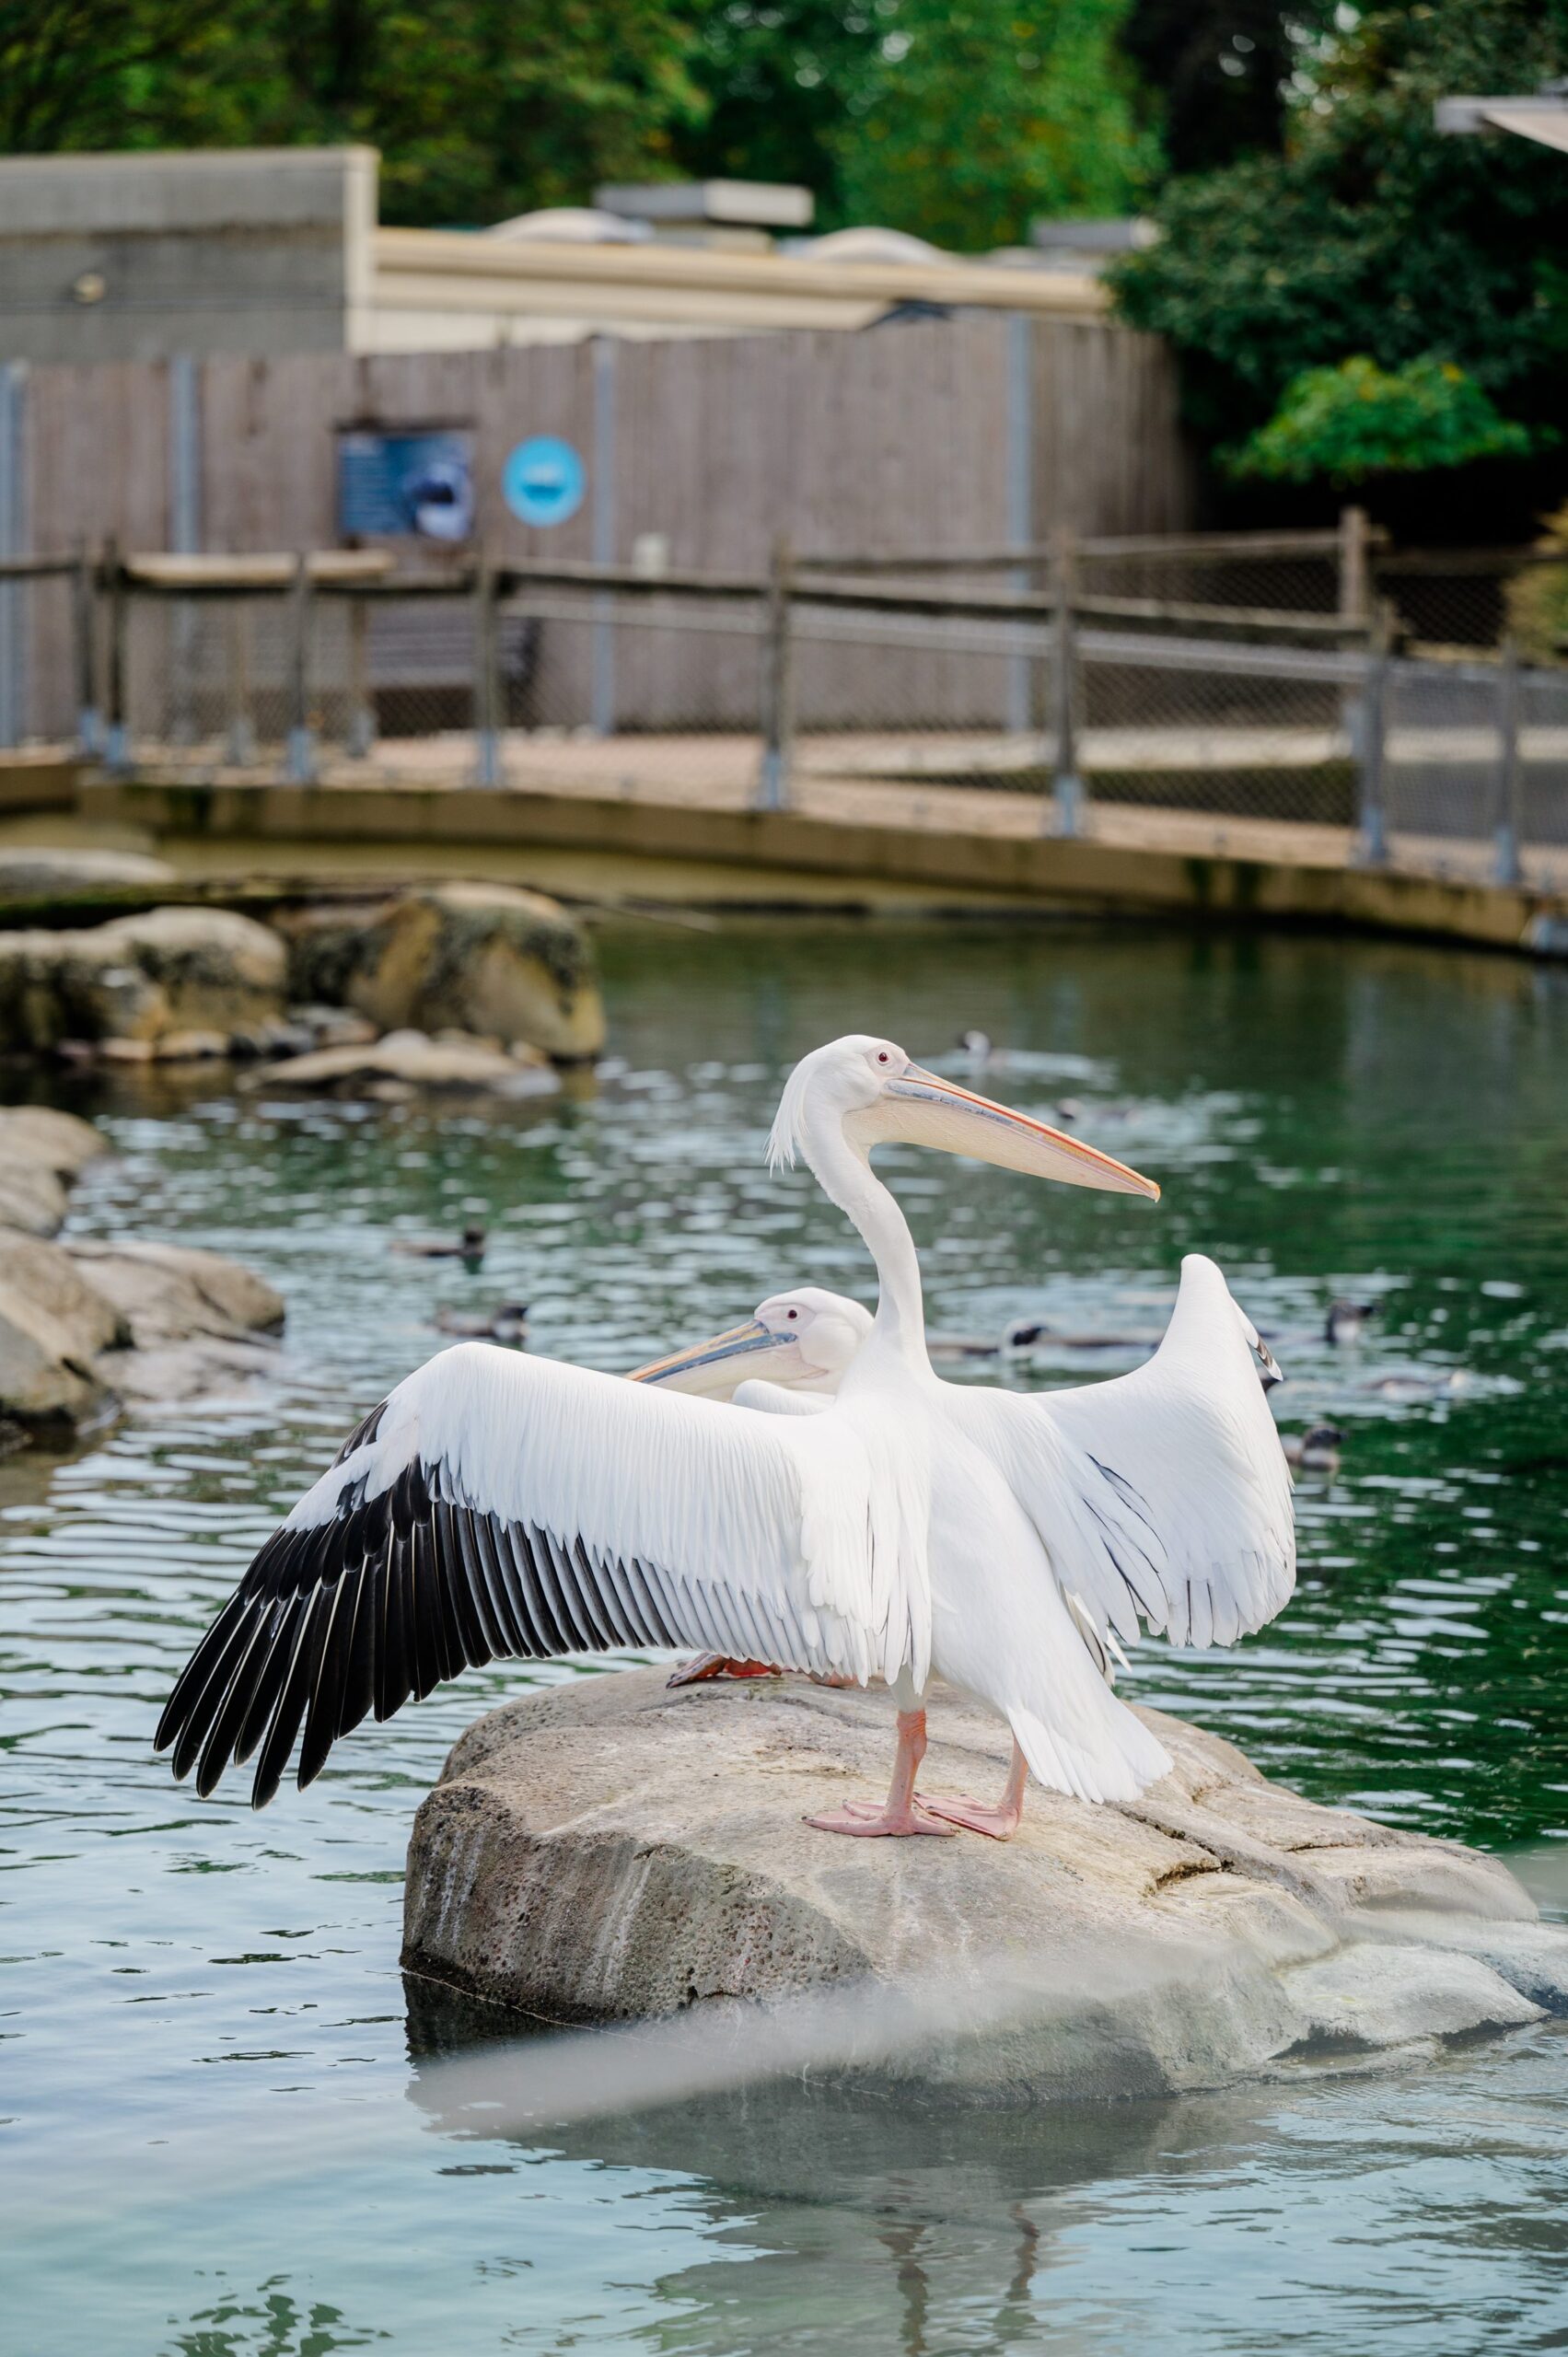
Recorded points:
(222,2127)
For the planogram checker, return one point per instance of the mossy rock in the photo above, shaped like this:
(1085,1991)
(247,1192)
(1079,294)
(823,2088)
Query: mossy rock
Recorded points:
(486,958)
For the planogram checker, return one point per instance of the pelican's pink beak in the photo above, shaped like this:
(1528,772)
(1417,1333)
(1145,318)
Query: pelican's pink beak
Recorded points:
(713,1369)
(922,1109)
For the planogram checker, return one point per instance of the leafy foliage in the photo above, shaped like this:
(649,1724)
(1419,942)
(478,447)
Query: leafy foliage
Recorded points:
(1373,234)
(1358,419)
(1220,69)
(480,107)
(780,83)
(988,111)
(955,121)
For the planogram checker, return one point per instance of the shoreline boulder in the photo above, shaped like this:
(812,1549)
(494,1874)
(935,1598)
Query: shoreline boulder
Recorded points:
(140,977)
(606,1850)
(42,1154)
(488,959)
(87,1325)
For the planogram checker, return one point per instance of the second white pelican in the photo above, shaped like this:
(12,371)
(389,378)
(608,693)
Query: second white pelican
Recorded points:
(1184,1430)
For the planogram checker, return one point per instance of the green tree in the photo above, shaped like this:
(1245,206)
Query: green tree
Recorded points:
(1372,233)
(781,80)
(1219,70)
(989,111)
(480,107)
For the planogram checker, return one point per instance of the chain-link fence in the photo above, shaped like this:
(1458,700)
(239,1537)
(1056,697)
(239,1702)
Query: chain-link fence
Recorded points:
(1475,768)
(46,614)
(1199,723)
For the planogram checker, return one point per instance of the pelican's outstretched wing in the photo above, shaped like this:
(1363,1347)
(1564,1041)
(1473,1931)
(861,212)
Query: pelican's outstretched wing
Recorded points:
(1163,1493)
(495,1504)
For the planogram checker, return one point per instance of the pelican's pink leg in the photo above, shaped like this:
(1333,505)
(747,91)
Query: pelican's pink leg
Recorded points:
(1001,1822)
(901,1812)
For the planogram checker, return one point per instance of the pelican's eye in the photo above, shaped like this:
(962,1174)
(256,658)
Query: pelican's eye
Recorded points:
(883,1057)
(793,1313)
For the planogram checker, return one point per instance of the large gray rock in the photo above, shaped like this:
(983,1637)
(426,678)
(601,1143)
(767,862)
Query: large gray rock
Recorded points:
(174,1292)
(140,977)
(606,1850)
(42,1134)
(40,1153)
(86,1323)
(53,1325)
(488,959)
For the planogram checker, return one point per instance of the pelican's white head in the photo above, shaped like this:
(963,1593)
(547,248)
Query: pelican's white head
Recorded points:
(803,1339)
(872,1093)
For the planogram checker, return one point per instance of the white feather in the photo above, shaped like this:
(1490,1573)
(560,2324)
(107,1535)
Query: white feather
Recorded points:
(797,1516)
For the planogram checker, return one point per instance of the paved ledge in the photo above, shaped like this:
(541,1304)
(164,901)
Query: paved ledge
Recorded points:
(936,847)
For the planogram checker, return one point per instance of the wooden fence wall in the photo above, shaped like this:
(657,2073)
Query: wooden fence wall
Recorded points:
(977,429)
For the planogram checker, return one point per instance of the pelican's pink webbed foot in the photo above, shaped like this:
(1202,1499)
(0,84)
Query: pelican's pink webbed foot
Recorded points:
(706,1665)
(900,1813)
(999,1820)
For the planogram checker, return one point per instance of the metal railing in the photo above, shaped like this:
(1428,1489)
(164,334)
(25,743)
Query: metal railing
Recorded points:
(853,675)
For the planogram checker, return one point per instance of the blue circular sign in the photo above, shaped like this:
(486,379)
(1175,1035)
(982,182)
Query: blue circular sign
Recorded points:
(542,480)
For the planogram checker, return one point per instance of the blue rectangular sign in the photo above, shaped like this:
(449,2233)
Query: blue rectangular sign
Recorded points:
(399,486)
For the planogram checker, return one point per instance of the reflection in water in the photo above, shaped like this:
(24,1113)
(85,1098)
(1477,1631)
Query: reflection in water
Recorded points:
(890,2220)
(208,2139)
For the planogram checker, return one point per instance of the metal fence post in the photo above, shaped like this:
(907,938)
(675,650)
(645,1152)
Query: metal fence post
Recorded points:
(116,738)
(778,682)
(1066,809)
(1020,499)
(84,615)
(486,699)
(1372,850)
(1353,579)
(301,760)
(13,533)
(1508,868)
(239,748)
(602,693)
(184,533)
(361,731)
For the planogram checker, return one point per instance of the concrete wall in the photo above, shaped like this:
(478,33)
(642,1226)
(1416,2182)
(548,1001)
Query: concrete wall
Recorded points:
(133,256)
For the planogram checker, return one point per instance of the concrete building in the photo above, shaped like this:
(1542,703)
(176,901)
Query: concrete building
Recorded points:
(134,257)
(141,256)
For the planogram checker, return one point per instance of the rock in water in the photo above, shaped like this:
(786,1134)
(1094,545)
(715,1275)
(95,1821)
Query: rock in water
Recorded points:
(485,958)
(53,1325)
(175,1292)
(140,977)
(409,1057)
(41,1152)
(606,1850)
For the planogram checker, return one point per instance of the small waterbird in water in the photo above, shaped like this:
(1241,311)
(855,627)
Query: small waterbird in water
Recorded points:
(1345,1321)
(469,1245)
(1316,1450)
(496,1505)
(1021,1335)
(508,1323)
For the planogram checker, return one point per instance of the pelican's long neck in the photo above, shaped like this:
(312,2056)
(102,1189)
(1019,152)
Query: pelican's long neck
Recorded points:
(846,1176)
